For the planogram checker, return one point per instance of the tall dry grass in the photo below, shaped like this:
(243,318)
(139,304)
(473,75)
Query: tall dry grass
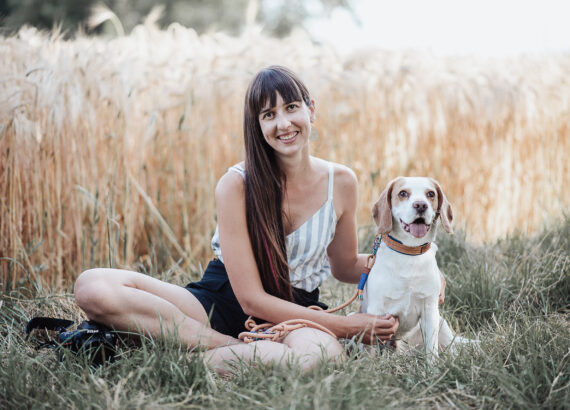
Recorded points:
(110,149)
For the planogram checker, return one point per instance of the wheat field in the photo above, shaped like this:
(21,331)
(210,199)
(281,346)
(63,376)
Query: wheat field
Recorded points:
(110,149)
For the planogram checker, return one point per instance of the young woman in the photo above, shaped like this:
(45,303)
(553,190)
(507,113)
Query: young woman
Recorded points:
(286,221)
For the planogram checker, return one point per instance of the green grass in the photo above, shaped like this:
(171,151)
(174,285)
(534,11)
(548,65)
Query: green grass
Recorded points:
(513,295)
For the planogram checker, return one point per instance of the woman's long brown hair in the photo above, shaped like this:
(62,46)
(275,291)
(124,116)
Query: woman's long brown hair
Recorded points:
(264,181)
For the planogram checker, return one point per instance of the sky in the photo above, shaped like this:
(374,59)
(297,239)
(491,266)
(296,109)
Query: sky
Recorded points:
(491,28)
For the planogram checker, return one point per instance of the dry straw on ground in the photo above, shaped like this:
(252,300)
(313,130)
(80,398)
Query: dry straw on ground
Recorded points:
(110,149)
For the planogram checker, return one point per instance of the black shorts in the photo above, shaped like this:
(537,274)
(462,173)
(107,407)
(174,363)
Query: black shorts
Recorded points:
(218,299)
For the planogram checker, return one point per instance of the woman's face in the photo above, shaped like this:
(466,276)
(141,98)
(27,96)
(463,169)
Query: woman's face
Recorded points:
(286,126)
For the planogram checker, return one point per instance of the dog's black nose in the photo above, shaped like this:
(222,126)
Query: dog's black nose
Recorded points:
(420,206)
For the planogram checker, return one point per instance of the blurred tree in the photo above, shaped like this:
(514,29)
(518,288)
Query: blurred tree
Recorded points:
(277,17)
(42,13)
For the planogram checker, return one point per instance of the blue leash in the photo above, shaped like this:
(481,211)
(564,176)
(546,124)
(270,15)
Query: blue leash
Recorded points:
(369,264)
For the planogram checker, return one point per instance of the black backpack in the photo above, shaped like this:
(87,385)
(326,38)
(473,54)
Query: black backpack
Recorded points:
(97,341)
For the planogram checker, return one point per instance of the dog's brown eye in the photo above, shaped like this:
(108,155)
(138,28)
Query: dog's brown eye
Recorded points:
(431,194)
(403,194)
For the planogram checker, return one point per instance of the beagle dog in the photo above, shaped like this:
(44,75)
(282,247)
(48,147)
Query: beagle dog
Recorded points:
(405,280)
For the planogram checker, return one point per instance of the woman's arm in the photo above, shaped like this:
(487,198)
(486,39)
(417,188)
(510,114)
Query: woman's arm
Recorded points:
(346,263)
(246,282)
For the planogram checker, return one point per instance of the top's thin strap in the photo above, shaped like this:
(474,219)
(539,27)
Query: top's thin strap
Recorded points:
(331,181)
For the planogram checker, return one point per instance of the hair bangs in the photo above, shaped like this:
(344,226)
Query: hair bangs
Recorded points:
(272,81)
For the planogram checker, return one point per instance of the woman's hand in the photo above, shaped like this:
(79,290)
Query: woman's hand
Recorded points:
(372,327)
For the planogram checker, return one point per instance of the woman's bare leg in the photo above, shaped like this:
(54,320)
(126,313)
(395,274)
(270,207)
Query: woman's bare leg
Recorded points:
(306,345)
(312,345)
(263,351)
(136,302)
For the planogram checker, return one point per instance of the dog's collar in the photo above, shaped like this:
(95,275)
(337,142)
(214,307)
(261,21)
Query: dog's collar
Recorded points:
(399,247)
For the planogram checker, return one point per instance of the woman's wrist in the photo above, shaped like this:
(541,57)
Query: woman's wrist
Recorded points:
(342,327)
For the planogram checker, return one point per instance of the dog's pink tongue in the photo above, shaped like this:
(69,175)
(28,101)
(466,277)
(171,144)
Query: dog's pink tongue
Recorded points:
(418,230)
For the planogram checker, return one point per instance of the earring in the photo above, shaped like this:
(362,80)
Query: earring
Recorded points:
(314,134)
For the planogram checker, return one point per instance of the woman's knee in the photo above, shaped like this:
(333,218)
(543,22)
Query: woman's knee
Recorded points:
(261,350)
(313,341)
(93,292)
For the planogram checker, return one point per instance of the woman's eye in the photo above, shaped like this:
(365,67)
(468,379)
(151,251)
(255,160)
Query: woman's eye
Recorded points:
(403,194)
(267,115)
(292,107)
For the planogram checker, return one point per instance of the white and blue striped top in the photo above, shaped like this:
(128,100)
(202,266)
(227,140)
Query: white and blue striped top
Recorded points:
(307,246)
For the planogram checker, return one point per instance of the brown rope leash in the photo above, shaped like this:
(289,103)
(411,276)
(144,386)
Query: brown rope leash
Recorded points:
(275,332)
(269,331)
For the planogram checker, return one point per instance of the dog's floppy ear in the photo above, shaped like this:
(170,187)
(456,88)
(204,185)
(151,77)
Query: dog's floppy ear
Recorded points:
(444,207)
(382,210)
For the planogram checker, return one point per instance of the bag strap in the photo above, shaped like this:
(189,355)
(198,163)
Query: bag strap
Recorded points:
(48,323)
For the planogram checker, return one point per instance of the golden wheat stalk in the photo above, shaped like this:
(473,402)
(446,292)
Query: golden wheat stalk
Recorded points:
(146,123)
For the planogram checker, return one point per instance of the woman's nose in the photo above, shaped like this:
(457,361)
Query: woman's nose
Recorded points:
(283,122)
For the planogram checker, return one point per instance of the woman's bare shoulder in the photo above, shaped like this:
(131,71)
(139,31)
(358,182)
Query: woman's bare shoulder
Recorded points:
(230,186)
(345,189)
(344,177)
(342,173)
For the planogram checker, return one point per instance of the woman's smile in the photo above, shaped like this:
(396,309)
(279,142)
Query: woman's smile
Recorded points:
(288,137)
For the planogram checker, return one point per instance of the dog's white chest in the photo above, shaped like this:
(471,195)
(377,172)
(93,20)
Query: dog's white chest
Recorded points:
(401,285)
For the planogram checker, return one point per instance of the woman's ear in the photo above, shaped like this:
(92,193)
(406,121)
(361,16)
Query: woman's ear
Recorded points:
(312,110)
(382,210)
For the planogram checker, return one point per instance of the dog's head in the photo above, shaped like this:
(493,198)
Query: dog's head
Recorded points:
(407,209)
